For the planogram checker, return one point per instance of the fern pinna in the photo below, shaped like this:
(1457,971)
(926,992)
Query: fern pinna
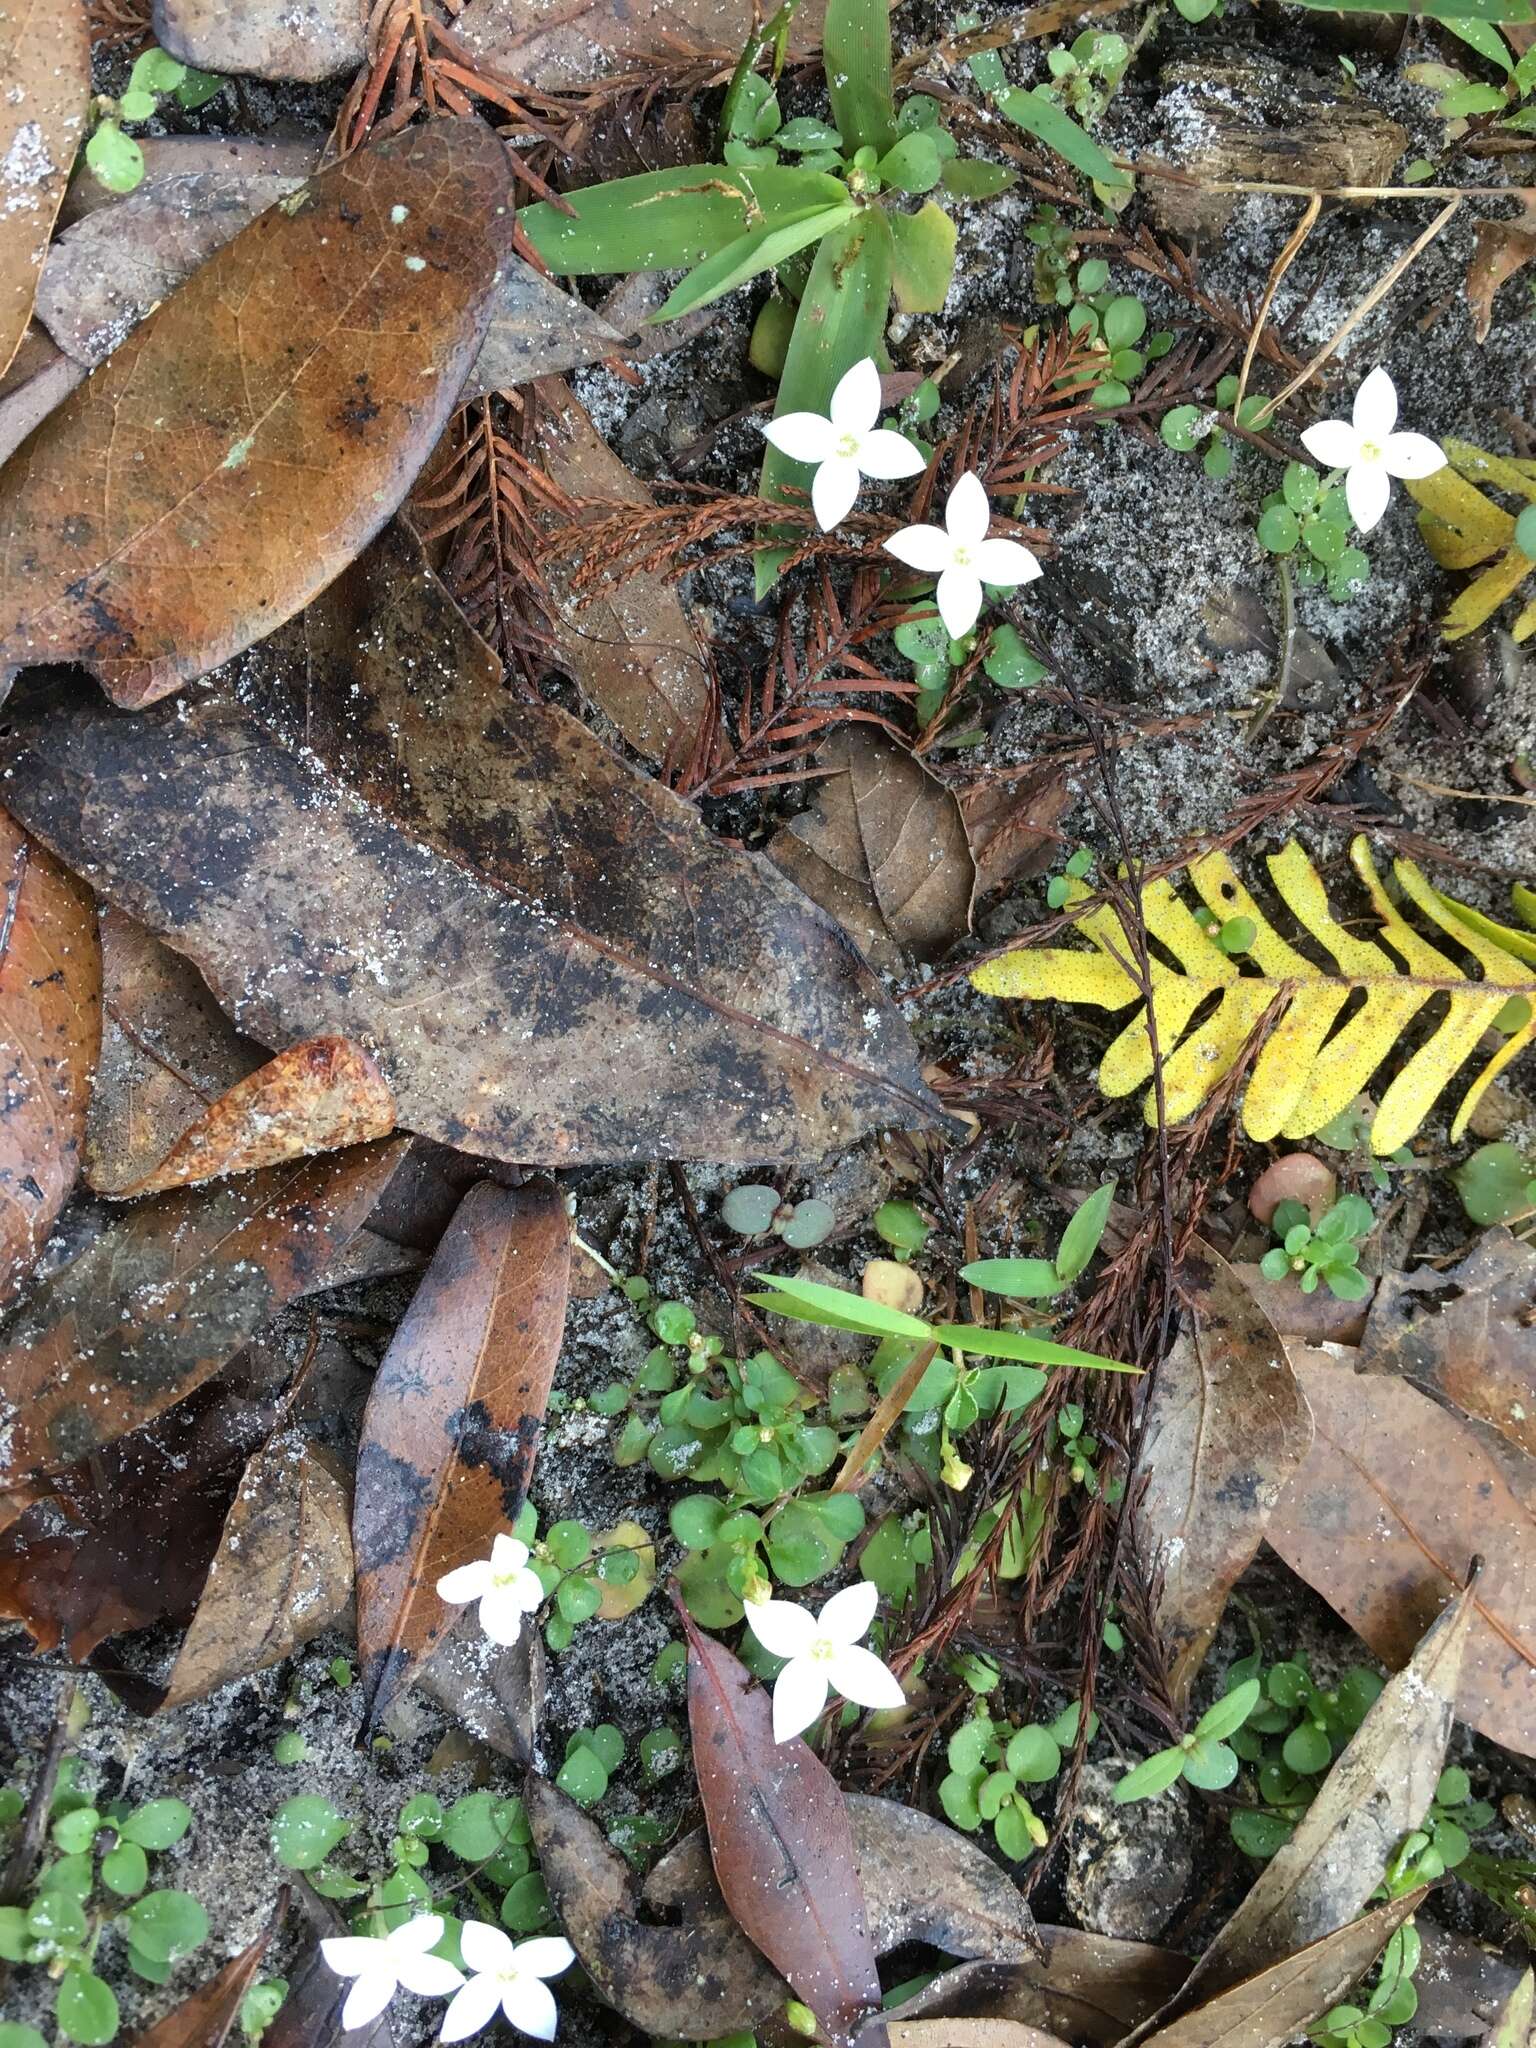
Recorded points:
(1303,1076)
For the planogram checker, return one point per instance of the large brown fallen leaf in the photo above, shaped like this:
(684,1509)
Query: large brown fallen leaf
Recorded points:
(1090,1987)
(1396,1498)
(782,1845)
(1011,823)
(631,651)
(1226,1428)
(453,1420)
(281,1574)
(552,43)
(165,1296)
(41,376)
(883,849)
(1501,249)
(310,2016)
(318,1096)
(1377,1792)
(205,2019)
(550,958)
(45,61)
(262,424)
(971,2033)
(1467,1333)
(50,1034)
(303,39)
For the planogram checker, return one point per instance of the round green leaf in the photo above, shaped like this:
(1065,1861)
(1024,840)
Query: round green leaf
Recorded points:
(305,1830)
(1013,1834)
(582,1777)
(1033,1756)
(481,1824)
(86,2009)
(166,1925)
(13,2034)
(115,159)
(1279,530)
(1124,322)
(158,1824)
(1307,1750)
(1180,427)
(125,1870)
(750,1210)
(579,1599)
(75,1832)
(1211,1766)
(526,1906)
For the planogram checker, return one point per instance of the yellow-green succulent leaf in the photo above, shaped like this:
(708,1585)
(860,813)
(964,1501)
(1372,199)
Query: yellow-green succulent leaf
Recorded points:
(1483,596)
(1478,466)
(1461,526)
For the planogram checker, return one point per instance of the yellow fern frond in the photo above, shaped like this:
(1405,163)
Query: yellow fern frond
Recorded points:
(1317,1058)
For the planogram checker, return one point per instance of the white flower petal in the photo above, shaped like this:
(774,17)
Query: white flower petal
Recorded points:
(833,490)
(803,436)
(530,2007)
(1333,443)
(485,1947)
(468,1582)
(430,1976)
(508,1554)
(860,1676)
(349,1955)
(415,1936)
(959,600)
(1375,412)
(969,511)
(1004,563)
(527,1592)
(473,2007)
(1413,455)
(799,1694)
(501,1615)
(783,1627)
(928,548)
(886,455)
(856,401)
(367,1999)
(546,1955)
(1367,487)
(847,1615)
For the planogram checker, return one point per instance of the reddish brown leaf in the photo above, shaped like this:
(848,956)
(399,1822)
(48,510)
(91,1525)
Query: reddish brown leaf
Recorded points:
(1395,1499)
(453,1420)
(204,2020)
(262,424)
(782,1844)
(165,1296)
(315,1097)
(1501,249)
(50,1034)
(45,60)
(282,1572)
(1012,824)
(1226,1428)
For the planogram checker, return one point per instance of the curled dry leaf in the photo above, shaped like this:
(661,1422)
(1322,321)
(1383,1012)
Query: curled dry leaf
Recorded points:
(1226,1428)
(495,1694)
(50,1034)
(1090,1987)
(40,377)
(165,1296)
(45,60)
(1396,1498)
(883,849)
(1466,1333)
(319,1096)
(281,1574)
(1011,824)
(781,1842)
(348,839)
(631,651)
(206,2018)
(1501,249)
(304,39)
(453,1420)
(551,43)
(204,438)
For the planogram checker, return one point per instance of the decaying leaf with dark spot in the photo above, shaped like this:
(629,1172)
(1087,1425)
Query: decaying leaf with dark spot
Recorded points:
(165,1296)
(45,60)
(206,2018)
(1090,1987)
(921,1881)
(453,1420)
(782,1845)
(1396,1498)
(548,955)
(310,2016)
(678,1983)
(495,1693)
(1466,1333)
(282,1572)
(50,1034)
(318,1096)
(262,424)
(1226,1428)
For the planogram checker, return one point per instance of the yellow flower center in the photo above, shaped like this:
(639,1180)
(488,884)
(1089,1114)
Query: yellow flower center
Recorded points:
(822,1650)
(848,447)
(1370,451)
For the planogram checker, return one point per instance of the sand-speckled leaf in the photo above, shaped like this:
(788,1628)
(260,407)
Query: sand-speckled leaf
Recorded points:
(45,68)
(206,2017)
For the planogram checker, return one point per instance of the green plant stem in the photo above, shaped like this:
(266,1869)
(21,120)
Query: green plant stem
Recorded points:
(774,34)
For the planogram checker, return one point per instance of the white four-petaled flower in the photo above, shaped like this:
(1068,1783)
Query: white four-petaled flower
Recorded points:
(962,556)
(510,1976)
(824,1655)
(502,1583)
(1369,452)
(847,446)
(380,1966)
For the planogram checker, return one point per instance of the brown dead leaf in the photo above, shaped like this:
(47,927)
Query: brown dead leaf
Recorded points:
(41,376)
(454,1418)
(1514,2026)
(310,2016)
(45,60)
(298,354)
(496,1694)
(318,1096)
(165,1296)
(50,1034)
(973,2033)
(302,39)
(281,1574)
(1226,1428)
(348,840)
(205,2019)
(883,849)
(1500,250)
(1466,1333)
(1316,1318)
(1011,824)
(553,43)
(1090,1987)
(631,652)
(1396,1498)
